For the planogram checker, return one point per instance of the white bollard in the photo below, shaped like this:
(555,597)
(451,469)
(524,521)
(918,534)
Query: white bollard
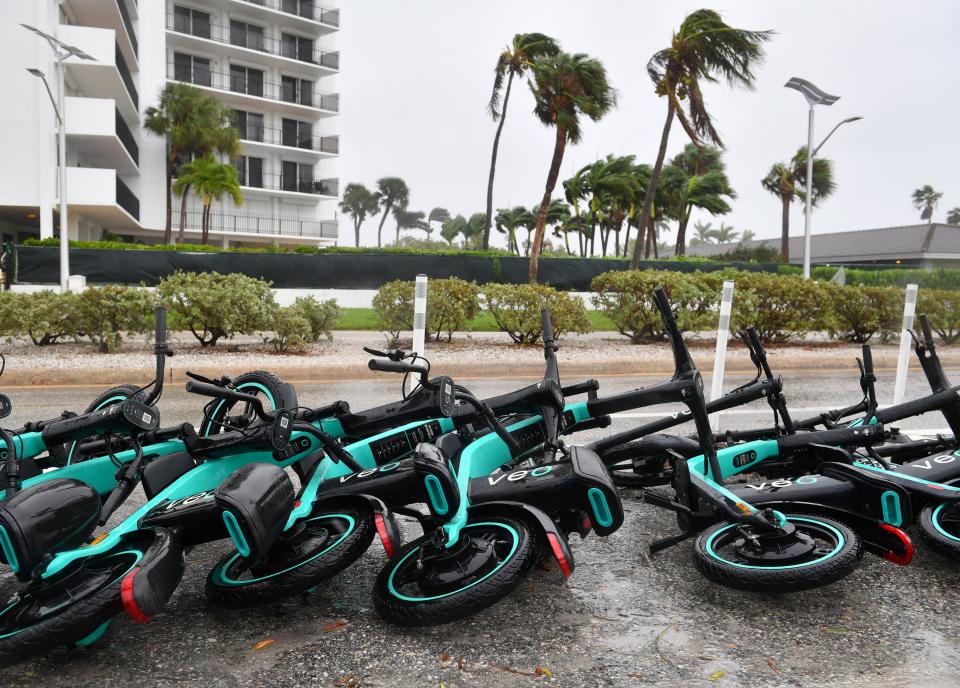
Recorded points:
(720,358)
(903,359)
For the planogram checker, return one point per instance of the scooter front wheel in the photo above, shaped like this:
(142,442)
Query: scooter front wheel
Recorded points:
(940,528)
(819,552)
(313,550)
(426,585)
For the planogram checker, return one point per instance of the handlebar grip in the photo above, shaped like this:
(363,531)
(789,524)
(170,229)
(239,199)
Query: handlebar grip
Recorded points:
(663,304)
(395,366)
(546,324)
(217,392)
(160,325)
(128,416)
(867,359)
(859,436)
(927,333)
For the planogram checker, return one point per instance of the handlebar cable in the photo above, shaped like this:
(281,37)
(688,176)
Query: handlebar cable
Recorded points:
(414,357)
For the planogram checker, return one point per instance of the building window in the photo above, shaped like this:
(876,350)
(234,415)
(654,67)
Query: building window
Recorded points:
(249,125)
(294,90)
(296,47)
(246,80)
(302,7)
(191,69)
(249,171)
(297,134)
(246,35)
(296,177)
(193,22)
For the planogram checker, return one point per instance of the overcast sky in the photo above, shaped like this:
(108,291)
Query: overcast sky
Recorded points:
(417,76)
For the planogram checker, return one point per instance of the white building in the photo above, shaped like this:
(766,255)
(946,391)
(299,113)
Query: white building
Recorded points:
(272,61)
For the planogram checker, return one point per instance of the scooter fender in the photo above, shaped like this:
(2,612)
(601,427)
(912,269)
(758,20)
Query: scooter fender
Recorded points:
(383,519)
(546,529)
(878,537)
(147,587)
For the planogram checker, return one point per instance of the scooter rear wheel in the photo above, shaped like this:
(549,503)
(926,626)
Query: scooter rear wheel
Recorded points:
(313,550)
(831,551)
(67,609)
(270,388)
(940,528)
(114,395)
(506,552)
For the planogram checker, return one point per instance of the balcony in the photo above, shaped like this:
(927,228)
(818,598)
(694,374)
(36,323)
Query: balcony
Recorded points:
(109,14)
(264,225)
(98,134)
(242,42)
(309,12)
(238,92)
(292,184)
(107,75)
(101,195)
(272,136)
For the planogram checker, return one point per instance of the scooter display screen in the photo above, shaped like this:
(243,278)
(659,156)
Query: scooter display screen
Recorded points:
(402,443)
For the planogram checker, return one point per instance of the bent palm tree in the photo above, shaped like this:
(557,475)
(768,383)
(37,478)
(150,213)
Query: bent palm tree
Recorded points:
(438,214)
(393,192)
(788,181)
(516,59)
(953,216)
(452,227)
(705,186)
(358,202)
(509,220)
(925,199)
(210,180)
(703,49)
(565,87)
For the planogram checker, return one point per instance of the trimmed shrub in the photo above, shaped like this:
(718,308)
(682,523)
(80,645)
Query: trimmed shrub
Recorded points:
(320,315)
(48,316)
(103,313)
(451,304)
(394,307)
(780,307)
(516,310)
(291,329)
(857,314)
(214,306)
(943,309)
(626,297)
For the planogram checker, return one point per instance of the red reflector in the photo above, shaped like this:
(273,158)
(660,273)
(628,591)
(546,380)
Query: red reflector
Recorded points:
(586,523)
(296,504)
(381,525)
(130,605)
(907,556)
(558,553)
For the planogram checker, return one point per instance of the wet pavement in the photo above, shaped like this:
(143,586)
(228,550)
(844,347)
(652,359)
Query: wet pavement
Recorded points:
(622,619)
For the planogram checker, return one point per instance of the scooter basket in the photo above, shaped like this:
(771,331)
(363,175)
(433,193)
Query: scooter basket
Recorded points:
(256,500)
(44,519)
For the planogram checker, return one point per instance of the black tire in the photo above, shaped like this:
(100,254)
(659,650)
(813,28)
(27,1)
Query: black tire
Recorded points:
(940,529)
(402,609)
(112,396)
(24,635)
(837,557)
(632,466)
(264,383)
(296,564)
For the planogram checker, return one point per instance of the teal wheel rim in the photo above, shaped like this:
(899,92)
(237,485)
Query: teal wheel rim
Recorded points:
(209,423)
(819,528)
(513,543)
(939,515)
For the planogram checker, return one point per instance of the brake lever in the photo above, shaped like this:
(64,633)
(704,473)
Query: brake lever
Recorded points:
(202,378)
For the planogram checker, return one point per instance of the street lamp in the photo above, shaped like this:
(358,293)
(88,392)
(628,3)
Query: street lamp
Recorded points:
(62,51)
(814,96)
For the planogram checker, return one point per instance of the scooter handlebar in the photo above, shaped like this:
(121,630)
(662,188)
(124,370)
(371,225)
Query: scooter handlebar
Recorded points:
(388,366)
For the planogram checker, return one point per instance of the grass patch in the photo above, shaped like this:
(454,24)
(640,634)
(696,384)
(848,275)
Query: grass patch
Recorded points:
(366,319)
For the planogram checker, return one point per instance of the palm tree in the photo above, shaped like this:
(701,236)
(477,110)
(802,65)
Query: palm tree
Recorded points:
(703,49)
(726,234)
(210,180)
(410,219)
(452,227)
(473,230)
(610,180)
(704,233)
(704,185)
(575,190)
(194,124)
(788,181)
(925,199)
(953,216)
(508,220)
(358,202)
(392,191)
(747,235)
(438,214)
(565,87)
(515,60)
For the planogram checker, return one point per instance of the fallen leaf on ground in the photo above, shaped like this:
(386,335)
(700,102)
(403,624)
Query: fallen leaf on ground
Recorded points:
(772,665)
(263,643)
(334,625)
(445,657)
(542,671)
(716,676)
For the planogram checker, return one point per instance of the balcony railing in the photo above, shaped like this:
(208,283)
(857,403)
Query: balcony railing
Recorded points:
(261,88)
(264,224)
(282,182)
(285,137)
(302,8)
(126,138)
(126,199)
(126,77)
(253,41)
(128,23)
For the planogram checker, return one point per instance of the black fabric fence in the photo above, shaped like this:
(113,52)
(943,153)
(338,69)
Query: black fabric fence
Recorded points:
(40,265)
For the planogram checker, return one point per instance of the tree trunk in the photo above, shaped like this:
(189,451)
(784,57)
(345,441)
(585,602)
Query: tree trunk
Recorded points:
(604,236)
(493,165)
(356,231)
(558,148)
(168,227)
(654,180)
(681,249)
(205,224)
(617,239)
(626,242)
(183,214)
(785,229)
(386,211)
(566,242)
(650,237)
(593,237)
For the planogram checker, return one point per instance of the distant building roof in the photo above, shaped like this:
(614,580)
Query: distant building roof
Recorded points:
(907,242)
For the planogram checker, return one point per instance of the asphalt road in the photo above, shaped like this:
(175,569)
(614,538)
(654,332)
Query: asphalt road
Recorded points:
(623,619)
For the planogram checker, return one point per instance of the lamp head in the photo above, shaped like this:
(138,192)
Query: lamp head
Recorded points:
(36,72)
(814,95)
